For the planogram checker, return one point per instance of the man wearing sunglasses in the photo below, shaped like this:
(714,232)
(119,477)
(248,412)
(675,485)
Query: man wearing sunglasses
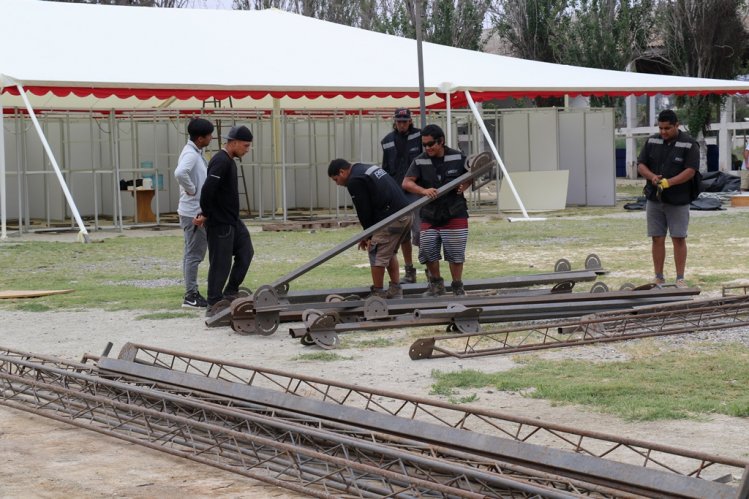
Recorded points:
(444,222)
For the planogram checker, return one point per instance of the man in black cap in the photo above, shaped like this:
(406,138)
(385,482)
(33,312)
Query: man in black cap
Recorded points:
(399,148)
(227,235)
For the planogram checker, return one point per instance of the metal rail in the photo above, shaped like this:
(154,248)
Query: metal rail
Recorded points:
(642,322)
(466,314)
(246,317)
(688,462)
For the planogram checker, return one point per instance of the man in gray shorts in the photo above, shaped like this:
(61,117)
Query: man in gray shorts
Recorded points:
(668,161)
(376,196)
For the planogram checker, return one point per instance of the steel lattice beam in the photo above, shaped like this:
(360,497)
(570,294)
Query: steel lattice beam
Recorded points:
(262,446)
(642,322)
(688,462)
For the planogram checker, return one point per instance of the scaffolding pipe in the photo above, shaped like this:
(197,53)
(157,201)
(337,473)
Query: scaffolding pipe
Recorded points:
(501,164)
(71,202)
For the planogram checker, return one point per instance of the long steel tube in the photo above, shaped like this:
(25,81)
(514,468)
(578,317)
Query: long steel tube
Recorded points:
(472,174)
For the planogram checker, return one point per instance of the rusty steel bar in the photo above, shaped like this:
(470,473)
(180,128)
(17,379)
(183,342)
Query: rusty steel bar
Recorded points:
(689,462)
(480,167)
(466,317)
(629,478)
(642,322)
(204,417)
(201,443)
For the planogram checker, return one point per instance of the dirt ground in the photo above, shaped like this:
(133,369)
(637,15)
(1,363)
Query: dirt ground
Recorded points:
(44,458)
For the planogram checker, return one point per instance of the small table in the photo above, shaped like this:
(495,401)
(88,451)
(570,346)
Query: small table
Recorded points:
(143,198)
(740,200)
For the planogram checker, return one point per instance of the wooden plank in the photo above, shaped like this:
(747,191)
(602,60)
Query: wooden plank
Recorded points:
(8,294)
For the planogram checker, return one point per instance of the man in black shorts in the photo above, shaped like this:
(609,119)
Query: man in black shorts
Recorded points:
(376,196)
(668,161)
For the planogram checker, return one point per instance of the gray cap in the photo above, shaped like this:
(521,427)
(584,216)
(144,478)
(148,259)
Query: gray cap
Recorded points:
(239,132)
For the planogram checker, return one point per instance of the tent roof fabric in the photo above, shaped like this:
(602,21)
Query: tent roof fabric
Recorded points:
(98,52)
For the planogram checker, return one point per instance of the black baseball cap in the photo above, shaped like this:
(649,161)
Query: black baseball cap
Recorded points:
(402,114)
(239,132)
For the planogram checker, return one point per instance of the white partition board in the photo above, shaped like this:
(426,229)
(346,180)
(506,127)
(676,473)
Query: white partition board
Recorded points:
(540,191)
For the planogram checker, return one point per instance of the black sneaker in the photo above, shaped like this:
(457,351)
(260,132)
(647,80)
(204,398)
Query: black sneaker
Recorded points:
(194,300)
(458,289)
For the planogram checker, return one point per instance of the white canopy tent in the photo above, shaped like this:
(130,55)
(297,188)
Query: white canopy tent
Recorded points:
(79,56)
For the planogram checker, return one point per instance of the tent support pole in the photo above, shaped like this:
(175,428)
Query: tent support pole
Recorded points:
(501,163)
(3,196)
(69,197)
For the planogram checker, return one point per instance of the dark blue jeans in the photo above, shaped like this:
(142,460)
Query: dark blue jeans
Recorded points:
(225,242)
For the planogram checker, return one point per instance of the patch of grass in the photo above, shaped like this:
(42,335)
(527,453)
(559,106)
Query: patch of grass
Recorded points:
(372,343)
(166,315)
(670,385)
(321,357)
(33,307)
(145,273)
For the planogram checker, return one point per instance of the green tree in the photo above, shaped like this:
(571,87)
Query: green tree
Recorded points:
(706,39)
(531,27)
(605,34)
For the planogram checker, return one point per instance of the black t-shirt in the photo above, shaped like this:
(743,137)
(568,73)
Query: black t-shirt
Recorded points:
(219,197)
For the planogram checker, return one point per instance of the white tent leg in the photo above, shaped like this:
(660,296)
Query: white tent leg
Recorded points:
(3,193)
(73,208)
(501,163)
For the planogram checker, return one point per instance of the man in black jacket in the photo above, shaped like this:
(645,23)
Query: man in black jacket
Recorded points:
(668,161)
(227,235)
(399,148)
(444,222)
(376,196)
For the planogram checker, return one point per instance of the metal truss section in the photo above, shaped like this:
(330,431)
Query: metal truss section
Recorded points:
(687,462)
(466,464)
(623,477)
(642,322)
(268,448)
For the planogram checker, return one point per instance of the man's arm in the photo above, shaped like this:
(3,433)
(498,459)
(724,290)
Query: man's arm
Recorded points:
(182,173)
(209,192)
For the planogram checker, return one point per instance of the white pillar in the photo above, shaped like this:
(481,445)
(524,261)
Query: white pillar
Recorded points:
(630,107)
(725,144)
(651,110)
(447,88)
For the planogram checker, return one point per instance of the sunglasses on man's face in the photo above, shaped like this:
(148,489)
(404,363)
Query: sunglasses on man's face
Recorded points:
(431,143)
